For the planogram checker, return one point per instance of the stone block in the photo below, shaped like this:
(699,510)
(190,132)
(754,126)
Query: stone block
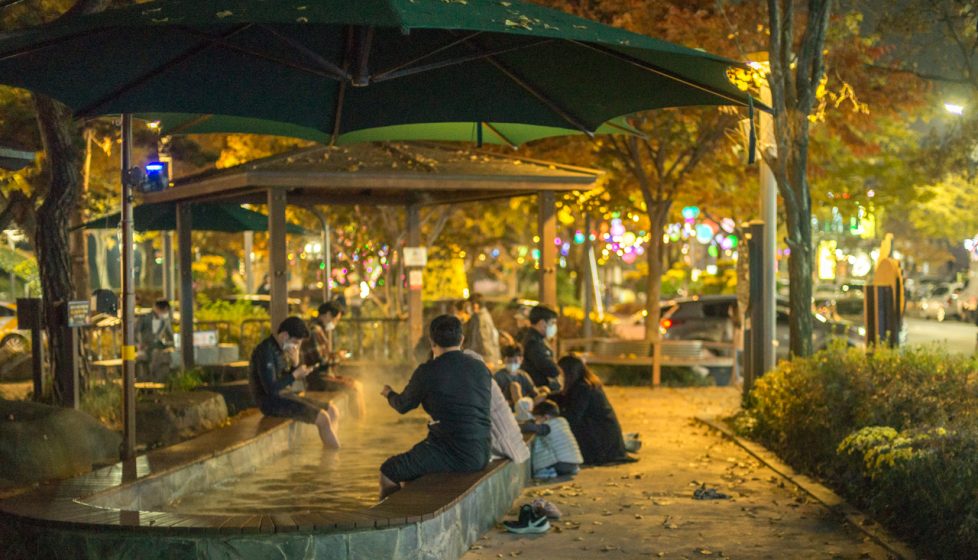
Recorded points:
(41,442)
(168,418)
(330,547)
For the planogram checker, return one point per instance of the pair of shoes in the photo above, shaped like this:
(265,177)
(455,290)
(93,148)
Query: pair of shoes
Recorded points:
(545,508)
(528,523)
(632,442)
(545,474)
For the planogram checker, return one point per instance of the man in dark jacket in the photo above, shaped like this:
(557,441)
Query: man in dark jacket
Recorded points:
(538,358)
(455,390)
(274,367)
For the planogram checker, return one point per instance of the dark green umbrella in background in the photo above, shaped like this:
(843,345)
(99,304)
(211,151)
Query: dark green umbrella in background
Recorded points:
(507,134)
(208,216)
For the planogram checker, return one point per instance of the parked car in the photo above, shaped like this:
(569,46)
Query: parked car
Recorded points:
(940,303)
(11,338)
(710,318)
(851,309)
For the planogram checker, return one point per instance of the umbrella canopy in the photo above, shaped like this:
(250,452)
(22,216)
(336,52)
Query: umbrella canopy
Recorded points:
(351,65)
(509,134)
(206,217)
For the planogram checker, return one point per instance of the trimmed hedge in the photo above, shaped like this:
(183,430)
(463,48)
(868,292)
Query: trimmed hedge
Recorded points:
(896,432)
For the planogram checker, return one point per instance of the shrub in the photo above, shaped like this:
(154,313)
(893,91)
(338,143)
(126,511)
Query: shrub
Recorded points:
(188,380)
(895,432)
(104,402)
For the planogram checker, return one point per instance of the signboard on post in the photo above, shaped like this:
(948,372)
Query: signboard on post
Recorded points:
(78,313)
(415,256)
(414,279)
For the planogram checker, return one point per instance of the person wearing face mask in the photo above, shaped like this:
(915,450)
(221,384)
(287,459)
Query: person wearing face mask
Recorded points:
(538,358)
(274,367)
(516,383)
(155,335)
(318,354)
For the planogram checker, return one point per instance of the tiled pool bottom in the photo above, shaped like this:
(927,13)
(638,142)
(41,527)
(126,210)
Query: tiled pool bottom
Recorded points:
(309,478)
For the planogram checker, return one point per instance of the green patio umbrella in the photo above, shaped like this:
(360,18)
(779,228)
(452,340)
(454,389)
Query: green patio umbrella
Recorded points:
(224,217)
(507,134)
(349,65)
(338,66)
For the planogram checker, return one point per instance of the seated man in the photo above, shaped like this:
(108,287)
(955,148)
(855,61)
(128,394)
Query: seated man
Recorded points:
(455,390)
(272,370)
(155,332)
(317,353)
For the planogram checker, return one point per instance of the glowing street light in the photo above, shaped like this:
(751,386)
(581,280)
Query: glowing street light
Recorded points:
(954,108)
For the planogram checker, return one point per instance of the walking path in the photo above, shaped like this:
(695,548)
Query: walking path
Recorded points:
(646,509)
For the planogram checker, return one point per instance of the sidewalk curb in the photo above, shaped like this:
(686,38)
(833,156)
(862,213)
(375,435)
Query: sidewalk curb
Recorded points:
(832,501)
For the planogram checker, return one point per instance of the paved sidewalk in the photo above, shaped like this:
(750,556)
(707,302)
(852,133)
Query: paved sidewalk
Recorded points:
(646,509)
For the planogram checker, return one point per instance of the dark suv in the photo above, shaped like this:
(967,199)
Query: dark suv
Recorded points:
(710,318)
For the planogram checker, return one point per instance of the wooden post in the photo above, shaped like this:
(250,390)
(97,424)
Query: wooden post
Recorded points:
(278,309)
(249,265)
(168,265)
(415,306)
(547,231)
(185,247)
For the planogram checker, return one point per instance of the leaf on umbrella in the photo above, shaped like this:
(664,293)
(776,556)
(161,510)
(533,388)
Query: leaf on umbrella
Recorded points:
(224,14)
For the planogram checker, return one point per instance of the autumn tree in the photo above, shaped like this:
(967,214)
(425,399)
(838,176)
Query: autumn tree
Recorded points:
(49,209)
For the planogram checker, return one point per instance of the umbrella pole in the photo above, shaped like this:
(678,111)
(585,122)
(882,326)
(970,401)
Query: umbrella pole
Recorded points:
(128,300)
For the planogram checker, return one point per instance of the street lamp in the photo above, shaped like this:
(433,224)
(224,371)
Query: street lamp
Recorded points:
(954,108)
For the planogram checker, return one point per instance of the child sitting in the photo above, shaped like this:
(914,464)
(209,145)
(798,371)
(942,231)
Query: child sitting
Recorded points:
(513,381)
(555,451)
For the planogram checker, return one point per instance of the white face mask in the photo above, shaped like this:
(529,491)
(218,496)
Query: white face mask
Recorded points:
(512,367)
(289,345)
(551,330)
(329,326)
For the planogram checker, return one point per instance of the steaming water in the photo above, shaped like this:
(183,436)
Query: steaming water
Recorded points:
(311,478)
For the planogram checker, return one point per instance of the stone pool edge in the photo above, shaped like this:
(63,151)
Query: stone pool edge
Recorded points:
(439,516)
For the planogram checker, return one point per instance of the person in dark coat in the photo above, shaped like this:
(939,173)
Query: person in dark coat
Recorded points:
(274,367)
(154,331)
(591,418)
(538,358)
(455,390)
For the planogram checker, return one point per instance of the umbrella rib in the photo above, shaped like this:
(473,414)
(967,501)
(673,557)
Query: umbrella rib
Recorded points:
(640,134)
(428,54)
(34,47)
(115,94)
(219,41)
(648,66)
(543,98)
(392,74)
(341,94)
(500,135)
(322,61)
(188,124)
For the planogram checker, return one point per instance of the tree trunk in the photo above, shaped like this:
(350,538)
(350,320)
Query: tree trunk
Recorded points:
(800,277)
(63,165)
(79,238)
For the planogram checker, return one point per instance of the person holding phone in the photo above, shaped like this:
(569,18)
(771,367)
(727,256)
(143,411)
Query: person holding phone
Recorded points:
(274,366)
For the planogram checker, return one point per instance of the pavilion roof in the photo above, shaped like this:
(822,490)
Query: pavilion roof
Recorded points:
(388,173)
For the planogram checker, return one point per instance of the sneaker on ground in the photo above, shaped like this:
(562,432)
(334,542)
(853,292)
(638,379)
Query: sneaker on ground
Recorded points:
(528,523)
(544,507)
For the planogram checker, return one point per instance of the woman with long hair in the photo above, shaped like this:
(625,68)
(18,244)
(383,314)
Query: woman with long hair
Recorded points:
(590,415)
